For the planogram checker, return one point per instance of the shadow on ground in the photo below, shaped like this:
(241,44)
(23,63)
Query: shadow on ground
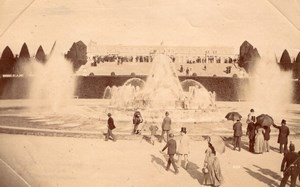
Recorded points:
(275,149)
(230,143)
(268,172)
(193,171)
(262,176)
(157,160)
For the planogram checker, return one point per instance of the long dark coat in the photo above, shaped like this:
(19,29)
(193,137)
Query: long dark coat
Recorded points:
(251,130)
(237,128)
(110,123)
(267,133)
(284,132)
(172,146)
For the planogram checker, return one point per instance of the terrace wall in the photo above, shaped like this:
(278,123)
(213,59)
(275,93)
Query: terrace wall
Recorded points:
(226,88)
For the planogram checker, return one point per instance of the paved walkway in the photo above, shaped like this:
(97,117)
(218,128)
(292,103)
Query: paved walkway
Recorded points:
(62,161)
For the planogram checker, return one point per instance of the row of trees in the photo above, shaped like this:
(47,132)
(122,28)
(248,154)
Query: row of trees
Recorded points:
(77,55)
(249,56)
(16,64)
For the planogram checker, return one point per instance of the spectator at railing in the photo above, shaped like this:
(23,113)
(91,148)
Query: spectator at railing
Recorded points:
(120,59)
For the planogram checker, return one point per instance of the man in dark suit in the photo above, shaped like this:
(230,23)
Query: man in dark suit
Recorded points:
(110,127)
(238,132)
(284,132)
(251,130)
(172,146)
(290,166)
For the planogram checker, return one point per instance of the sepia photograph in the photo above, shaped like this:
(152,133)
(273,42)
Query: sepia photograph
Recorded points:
(149,93)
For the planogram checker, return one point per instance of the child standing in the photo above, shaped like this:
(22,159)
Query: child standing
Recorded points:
(153,129)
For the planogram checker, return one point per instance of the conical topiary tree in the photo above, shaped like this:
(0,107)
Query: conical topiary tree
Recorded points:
(40,55)
(22,61)
(285,61)
(298,58)
(7,61)
(24,53)
(296,67)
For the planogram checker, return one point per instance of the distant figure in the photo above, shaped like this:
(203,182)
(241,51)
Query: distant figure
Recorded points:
(153,129)
(251,130)
(284,132)
(238,132)
(171,145)
(183,148)
(185,103)
(290,166)
(187,71)
(259,140)
(165,127)
(266,138)
(251,117)
(212,169)
(181,69)
(137,119)
(110,127)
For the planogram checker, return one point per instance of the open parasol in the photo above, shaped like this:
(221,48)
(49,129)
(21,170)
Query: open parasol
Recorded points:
(233,116)
(264,120)
(218,143)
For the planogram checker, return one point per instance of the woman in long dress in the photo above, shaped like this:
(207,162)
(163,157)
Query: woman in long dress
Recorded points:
(259,140)
(213,176)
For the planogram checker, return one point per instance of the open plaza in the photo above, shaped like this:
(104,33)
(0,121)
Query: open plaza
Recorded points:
(42,148)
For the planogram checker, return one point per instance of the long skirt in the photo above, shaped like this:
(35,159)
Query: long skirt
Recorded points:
(259,143)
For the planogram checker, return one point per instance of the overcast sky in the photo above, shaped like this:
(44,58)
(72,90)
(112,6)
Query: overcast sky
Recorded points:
(271,26)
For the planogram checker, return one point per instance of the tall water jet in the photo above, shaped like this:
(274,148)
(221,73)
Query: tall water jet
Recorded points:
(162,88)
(53,83)
(270,89)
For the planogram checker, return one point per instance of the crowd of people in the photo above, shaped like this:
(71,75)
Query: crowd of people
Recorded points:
(258,143)
(144,58)
(210,60)
(259,136)
(120,59)
(180,148)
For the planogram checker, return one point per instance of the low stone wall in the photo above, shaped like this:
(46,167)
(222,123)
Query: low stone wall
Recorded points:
(226,88)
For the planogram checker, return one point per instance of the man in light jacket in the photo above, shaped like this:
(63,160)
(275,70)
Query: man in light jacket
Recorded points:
(165,127)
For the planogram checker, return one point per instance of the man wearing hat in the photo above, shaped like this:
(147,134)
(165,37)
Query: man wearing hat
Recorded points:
(183,148)
(251,130)
(290,166)
(237,133)
(283,135)
(172,146)
(165,127)
(110,127)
